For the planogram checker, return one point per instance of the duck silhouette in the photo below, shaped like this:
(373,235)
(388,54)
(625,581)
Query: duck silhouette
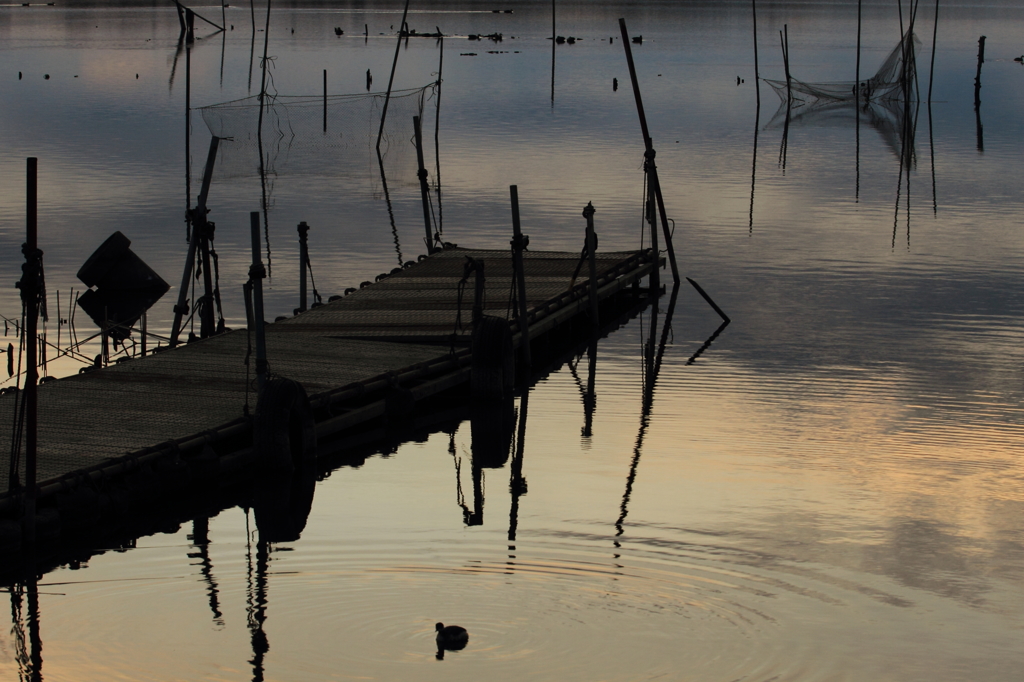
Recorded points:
(450,638)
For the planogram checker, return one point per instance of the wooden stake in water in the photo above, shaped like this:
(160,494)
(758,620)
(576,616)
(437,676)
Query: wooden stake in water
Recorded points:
(977,78)
(325,100)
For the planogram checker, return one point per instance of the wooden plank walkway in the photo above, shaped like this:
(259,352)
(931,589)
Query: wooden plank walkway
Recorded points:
(397,329)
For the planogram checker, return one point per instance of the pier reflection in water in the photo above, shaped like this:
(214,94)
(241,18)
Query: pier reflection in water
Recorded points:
(357,581)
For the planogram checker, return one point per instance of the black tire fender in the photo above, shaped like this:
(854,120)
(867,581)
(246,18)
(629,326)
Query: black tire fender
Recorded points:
(284,433)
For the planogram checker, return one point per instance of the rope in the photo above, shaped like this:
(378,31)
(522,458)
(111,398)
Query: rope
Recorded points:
(309,266)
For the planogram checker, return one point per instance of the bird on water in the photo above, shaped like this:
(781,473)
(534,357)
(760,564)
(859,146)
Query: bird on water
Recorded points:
(451,637)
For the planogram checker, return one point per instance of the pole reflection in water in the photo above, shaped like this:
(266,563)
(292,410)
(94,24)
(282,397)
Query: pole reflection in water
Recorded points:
(201,541)
(492,424)
(587,394)
(391,211)
(517,482)
(652,359)
(28,649)
(256,601)
(753,166)
(281,506)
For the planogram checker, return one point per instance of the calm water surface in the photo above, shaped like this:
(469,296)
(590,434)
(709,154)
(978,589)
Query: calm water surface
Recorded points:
(831,491)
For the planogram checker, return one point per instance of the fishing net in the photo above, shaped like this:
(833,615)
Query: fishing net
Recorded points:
(892,82)
(296,143)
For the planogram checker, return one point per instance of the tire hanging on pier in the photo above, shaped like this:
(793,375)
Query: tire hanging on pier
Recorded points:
(284,433)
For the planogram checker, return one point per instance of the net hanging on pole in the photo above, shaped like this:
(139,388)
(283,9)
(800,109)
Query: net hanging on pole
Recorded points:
(894,81)
(295,143)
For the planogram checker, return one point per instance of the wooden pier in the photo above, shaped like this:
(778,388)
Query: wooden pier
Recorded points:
(182,414)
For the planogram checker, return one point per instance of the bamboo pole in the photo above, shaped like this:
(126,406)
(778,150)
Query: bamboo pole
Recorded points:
(935,35)
(652,171)
(856,86)
(757,70)
(391,80)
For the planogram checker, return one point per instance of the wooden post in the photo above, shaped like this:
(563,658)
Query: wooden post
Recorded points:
(519,243)
(30,296)
(303,230)
(325,100)
(256,274)
(588,213)
(652,171)
(424,188)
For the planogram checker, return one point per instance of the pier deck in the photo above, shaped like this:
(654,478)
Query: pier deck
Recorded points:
(397,331)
